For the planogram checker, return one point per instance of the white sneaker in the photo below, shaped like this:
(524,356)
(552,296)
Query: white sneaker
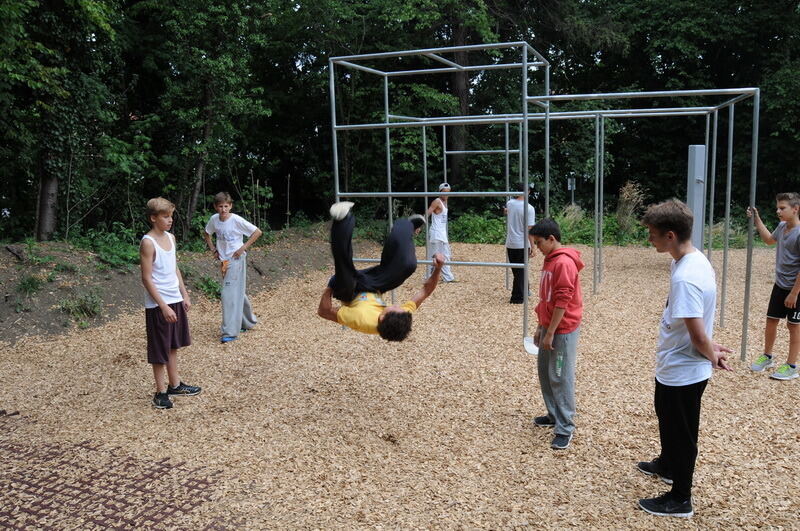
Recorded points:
(340,210)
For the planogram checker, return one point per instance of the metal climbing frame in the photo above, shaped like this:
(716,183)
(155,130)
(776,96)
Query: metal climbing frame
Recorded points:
(523,119)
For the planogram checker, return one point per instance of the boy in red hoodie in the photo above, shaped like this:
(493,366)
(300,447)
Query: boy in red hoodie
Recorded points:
(559,312)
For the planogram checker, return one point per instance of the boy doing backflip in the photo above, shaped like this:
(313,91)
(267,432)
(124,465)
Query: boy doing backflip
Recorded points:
(783,301)
(360,291)
(237,313)
(559,312)
(166,304)
(685,356)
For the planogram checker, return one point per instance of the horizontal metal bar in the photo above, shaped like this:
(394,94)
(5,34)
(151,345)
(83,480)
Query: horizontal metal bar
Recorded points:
(423,51)
(364,68)
(429,194)
(398,125)
(514,265)
(480,151)
(443,60)
(652,94)
(495,66)
(402,117)
(732,101)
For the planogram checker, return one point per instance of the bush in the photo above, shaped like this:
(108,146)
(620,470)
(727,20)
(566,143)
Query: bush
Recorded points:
(118,248)
(82,306)
(473,228)
(29,285)
(210,287)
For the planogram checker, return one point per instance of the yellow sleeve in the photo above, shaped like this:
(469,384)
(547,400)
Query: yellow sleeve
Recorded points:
(409,306)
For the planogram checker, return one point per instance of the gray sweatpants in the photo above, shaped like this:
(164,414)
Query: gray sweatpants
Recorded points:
(237,313)
(444,248)
(557,380)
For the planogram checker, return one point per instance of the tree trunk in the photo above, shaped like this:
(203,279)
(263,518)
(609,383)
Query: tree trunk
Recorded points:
(47,207)
(458,133)
(200,169)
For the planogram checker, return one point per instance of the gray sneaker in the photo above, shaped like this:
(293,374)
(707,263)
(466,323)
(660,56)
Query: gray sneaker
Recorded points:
(340,210)
(785,372)
(561,442)
(762,363)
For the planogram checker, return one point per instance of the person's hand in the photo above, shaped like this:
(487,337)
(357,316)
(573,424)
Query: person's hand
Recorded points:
(239,252)
(791,300)
(169,314)
(439,260)
(721,358)
(537,335)
(547,341)
(752,212)
(187,304)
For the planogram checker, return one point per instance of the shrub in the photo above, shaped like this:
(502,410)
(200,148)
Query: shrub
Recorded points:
(29,285)
(210,287)
(631,200)
(83,306)
(473,228)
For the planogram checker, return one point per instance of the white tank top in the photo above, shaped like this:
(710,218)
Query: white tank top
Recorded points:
(438,230)
(165,275)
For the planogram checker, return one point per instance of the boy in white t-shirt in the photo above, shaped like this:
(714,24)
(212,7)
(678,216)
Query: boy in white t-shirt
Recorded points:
(685,356)
(237,313)
(518,213)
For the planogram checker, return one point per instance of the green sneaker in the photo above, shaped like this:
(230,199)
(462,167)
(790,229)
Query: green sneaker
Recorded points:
(762,363)
(785,372)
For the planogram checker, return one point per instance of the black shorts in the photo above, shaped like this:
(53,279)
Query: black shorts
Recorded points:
(163,336)
(777,310)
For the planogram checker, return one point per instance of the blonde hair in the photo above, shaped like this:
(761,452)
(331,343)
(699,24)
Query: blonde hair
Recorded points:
(223,197)
(158,205)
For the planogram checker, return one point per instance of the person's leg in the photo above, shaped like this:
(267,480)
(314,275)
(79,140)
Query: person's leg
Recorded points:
(433,248)
(770,333)
(398,261)
(661,403)
(172,368)
(248,317)
(233,298)
(562,381)
(343,281)
(545,365)
(158,376)
(447,274)
(516,256)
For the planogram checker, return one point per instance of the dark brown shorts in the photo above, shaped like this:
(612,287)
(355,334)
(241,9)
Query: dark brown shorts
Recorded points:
(163,336)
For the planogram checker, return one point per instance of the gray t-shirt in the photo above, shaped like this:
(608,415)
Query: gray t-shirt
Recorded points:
(787,255)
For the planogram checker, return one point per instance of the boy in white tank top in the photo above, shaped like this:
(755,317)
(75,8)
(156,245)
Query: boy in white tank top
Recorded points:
(166,304)
(438,242)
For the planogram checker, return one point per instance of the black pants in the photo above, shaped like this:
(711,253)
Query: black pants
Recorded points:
(678,411)
(398,260)
(517,256)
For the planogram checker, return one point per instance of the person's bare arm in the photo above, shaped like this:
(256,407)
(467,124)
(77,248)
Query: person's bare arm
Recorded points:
(791,299)
(210,244)
(147,253)
(435,208)
(253,237)
(326,308)
(714,352)
(432,282)
(763,231)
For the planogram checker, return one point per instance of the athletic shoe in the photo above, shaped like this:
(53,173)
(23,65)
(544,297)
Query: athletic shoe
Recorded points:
(340,210)
(417,220)
(785,372)
(227,339)
(762,362)
(183,390)
(544,421)
(561,442)
(666,505)
(162,401)
(653,468)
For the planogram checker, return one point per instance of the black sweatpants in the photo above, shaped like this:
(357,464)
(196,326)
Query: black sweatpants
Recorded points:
(517,256)
(678,412)
(398,260)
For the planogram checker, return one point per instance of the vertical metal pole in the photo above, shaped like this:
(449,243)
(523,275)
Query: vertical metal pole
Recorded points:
(332,88)
(444,154)
(601,198)
(525,196)
(596,201)
(508,172)
(702,210)
(425,188)
(726,237)
(712,185)
(752,203)
(388,157)
(546,142)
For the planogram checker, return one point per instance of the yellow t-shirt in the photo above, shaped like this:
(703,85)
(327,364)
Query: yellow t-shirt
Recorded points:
(362,313)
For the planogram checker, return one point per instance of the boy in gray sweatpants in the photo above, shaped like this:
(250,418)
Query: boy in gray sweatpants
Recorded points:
(559,311)
(237,313)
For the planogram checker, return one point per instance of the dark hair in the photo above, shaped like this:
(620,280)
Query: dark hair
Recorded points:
(790,197)
(395,326)
(671,215)
(222,197)
(545,228)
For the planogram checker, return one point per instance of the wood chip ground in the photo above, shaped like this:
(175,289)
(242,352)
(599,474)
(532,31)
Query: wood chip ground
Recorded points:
(304,424)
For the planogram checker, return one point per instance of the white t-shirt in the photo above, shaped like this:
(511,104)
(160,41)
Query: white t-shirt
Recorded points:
(692,293)
(229,233)
(516,231)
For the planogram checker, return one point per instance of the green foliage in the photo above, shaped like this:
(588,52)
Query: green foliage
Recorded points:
(29,285)
(472,228)
(82,306)
(64,267)
(210,287)
(117,248)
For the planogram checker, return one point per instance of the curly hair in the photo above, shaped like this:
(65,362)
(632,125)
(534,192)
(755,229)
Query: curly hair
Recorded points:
(395,326)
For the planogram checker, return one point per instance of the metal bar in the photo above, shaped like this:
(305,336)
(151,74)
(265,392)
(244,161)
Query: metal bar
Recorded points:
(546,143)
(423,51)
(712,186)
(651,94)
(702,212)
(443,60)
(514,265)
(525,153)
(335,143)
(602,198)
(444,154)
(539,56)
(507,172)
(425,187)
(657,110)
(482,151)
(364,68)
(733,101)
(388,148)
(752,203)
(596,202)
(422,71)
(412,118)
(422,194)
(728,180)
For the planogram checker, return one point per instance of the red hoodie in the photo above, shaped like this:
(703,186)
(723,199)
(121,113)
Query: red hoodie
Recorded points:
(560,287)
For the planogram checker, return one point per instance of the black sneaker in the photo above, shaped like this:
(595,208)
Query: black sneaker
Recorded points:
(162,401)
(666,505)
(183,390)
(653,468)
(561,442)
(544,421)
